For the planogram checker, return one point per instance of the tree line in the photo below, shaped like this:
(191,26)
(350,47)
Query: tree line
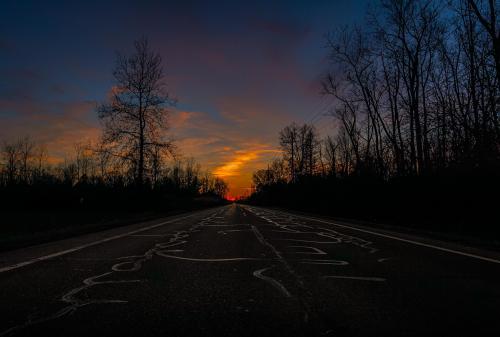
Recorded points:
(26,163)
(416,114)
(134,163)
(417,88)
(416,92)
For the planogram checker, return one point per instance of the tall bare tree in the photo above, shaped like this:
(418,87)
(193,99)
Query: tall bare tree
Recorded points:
(416,88)
(135,119)
(10,156)
(26,148)
(288,142)
(490,23)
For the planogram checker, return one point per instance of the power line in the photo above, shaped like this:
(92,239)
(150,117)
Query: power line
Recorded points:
(318,109)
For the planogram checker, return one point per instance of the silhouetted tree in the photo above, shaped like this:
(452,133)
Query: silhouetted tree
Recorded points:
(288,141)
(135,120)
(26,148)
(10,158)
(220,188)
(489,21)
(416,94)
(301,147)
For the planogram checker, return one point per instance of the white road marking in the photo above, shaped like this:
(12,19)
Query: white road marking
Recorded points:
(221,225)
(77,248)
(233,230)
(208,260)
(74,303)
(453,251)
(261,239)
(128,266)
(310,241)
(332,262)
(313,250)
(275,283)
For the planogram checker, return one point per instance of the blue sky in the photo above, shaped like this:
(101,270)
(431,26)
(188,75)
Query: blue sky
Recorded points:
(241,71)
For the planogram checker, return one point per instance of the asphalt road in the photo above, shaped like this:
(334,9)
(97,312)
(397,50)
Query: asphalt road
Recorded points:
(248,271)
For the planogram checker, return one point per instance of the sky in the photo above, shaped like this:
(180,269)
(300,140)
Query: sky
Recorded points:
(240,70)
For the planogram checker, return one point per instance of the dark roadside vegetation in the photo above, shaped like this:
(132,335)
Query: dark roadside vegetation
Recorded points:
(459,207)
(59,202)
(414,97)
(133,173)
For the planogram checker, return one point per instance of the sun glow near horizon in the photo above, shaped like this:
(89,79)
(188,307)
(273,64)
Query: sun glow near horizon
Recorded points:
(237,170)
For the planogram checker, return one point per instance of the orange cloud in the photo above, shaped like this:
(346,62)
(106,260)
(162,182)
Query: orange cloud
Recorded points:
(58,126)
(238,168)
(179,119)
(233,144)
(232,168)
(231,148)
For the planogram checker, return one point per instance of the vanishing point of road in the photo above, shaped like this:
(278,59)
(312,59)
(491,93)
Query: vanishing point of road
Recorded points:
(241,270)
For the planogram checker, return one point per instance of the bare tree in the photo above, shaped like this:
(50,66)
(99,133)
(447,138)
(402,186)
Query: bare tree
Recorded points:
(135,119)
(191,175)
(11,155)
(330,155)
(41,157)
(26,147)
(84,161)
(288,141)
(220,188)
(300,146)
(206,182)
(490,24)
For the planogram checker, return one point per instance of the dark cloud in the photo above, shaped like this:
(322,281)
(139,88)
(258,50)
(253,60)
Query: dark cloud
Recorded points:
(241,70)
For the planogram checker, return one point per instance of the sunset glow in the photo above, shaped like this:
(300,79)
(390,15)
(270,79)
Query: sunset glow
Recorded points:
(235,89)
(237,171)
(249,168)
(233,168)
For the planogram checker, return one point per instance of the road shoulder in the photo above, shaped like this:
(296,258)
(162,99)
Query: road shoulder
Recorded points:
(17,258)
(420,238)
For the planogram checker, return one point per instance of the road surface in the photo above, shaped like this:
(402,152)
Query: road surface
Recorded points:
(248,271)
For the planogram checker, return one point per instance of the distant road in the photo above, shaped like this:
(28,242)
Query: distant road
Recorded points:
(249,271)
